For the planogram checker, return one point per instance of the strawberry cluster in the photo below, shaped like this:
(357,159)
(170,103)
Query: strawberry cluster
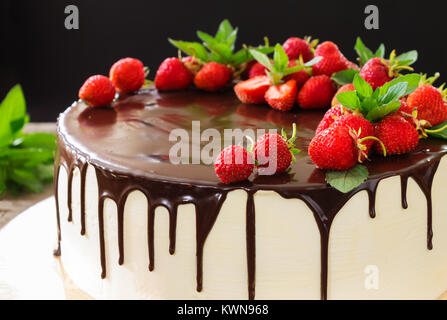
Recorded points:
(126,75)
(272,153)
(297,74)
(210,65)
(389,120)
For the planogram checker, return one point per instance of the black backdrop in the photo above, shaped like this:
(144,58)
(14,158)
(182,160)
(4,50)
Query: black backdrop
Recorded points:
(51,62)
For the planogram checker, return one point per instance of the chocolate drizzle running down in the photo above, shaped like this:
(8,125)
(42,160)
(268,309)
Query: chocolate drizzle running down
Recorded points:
(116,143)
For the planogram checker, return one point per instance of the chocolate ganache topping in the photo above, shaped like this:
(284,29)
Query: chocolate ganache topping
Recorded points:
(129,146)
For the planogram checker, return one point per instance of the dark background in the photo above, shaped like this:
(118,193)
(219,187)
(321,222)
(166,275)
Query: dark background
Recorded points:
(51,62)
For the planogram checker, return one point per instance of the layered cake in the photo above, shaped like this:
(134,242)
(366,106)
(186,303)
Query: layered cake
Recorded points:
(134,225)
(285,172)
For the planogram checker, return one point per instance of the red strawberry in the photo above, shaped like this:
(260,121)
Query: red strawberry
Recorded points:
(127,75)
(233,164)
(334,149)
(212,77)
(429,103)
(362,127)
(253,90)
(397,134)
(282,96)
(404,107)
(300,76)
(274,147)
(376,72)
(333,60)
(346,87)
(317,92)
(97,91)
(329,118)
(257,70)
(296,47)
(172,75)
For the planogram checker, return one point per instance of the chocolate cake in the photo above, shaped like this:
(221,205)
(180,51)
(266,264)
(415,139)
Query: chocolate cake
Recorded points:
(134,225)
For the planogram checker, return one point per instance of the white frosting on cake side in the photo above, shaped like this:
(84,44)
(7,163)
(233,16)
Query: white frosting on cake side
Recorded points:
(389,251)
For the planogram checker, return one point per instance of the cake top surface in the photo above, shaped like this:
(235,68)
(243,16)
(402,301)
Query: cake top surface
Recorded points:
(133,138)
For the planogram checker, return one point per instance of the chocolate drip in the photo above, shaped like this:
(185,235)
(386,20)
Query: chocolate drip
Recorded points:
(168,185)
(325,203)
(424,178)
(120,218)
(150,235)
(83,177)
(251,245)
(404,184)
(102,246)
(172,229)
(69,194)
(371,189)
(207,210)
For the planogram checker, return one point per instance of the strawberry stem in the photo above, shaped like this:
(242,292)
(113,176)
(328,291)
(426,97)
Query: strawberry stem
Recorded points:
(375,139)
(290,142)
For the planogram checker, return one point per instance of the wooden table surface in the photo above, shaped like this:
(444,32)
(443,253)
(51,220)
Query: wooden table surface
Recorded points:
(11,206)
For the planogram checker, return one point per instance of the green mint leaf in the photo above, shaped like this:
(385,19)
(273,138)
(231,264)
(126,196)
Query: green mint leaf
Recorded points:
(192,49)
(412,80)
(349,99)
(347,180)
(206,38)
(280,58)
(27,157)
(241,56)
(312,62)
(222,52)
(45,172)
(17,125)
(369,104)
(262,58)
(12,115)
(224,31)
(344,77)
(36,140)
(408,58)
(26,179)
(244,55)
(442,134)
(291,70)
(362,87)
(363,52)
(380,51)
(383,110)
(231,40)
(394,92)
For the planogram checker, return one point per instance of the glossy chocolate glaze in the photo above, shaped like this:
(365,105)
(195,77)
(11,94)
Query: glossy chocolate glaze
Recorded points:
(129,148)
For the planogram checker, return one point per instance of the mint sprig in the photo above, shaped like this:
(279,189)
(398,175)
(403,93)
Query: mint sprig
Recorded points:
(279,67)
(399,62)
(219,48)
(26,160)
(347,180)
(374,105)
(365,54)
